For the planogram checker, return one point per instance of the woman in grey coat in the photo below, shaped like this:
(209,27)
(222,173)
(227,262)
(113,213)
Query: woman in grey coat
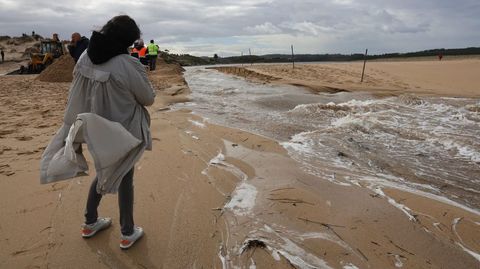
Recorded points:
(112,84)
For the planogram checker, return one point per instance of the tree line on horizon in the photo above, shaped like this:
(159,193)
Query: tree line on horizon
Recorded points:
(187,59)
(337,57)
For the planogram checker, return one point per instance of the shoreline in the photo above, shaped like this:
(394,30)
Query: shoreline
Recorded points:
(433,200)
(452,78)
(191,201)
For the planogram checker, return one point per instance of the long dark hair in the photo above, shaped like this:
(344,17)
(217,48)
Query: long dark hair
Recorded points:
(123,29)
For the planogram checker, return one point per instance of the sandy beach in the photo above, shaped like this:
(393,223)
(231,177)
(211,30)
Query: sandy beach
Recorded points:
(457,77)
(210,196)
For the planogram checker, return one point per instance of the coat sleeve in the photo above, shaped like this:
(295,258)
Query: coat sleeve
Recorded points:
(140,84)
(71,50)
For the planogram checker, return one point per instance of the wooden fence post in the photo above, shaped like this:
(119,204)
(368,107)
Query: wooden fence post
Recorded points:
(250,52)
(293,59)
(364,63)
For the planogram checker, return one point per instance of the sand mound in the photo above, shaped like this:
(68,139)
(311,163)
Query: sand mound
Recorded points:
(244,72)
(60,71)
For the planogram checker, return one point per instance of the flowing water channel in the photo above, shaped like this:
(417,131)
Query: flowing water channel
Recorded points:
(430,144)
(425,145)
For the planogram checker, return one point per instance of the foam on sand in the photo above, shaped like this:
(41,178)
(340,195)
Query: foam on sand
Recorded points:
(197,123)
(243,199)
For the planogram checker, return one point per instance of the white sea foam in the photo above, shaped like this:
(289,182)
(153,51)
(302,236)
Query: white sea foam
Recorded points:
(327,237)
(299,257)
(217,159)
(219,162)
(461,243)
(398,261)
(309,109)
(222,259)
(462,150)
(348,120)
(252,264)
(403,208)
(192,135)
(243,199)
(197,123)
(472,253)
(300,142)
(284,242)
(375,183)
(275,254)
(360,103)
(350,266)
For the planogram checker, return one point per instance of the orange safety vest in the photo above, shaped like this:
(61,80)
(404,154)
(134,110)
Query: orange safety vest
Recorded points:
(141,52)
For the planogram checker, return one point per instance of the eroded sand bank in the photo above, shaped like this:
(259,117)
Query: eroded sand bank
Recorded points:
(455,78)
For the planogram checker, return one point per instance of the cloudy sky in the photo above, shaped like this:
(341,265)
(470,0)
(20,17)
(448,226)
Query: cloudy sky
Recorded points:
(203,27)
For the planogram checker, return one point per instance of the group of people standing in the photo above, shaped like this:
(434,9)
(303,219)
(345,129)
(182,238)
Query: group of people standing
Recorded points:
(148,55)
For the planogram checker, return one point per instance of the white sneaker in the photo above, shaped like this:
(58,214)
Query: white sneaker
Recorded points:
(89,230)
(128,241)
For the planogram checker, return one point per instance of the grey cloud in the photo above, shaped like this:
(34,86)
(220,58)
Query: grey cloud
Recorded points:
(331,25)
(265,28)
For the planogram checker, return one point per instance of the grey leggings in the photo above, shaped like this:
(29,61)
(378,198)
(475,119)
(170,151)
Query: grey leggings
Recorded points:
(125,203)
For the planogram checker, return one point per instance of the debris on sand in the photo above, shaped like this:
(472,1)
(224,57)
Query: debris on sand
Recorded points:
(253,244)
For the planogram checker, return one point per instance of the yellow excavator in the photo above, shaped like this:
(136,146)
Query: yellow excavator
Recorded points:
(50,49)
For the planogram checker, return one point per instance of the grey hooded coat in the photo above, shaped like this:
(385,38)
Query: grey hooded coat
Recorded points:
(118,91)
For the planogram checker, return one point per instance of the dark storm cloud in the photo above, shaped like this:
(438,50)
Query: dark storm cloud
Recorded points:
(228,27)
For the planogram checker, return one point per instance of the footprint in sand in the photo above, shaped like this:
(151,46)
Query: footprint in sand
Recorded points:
(7,131)
(3,149)
(24,138)
(35,208)
(5,170)
(28,152)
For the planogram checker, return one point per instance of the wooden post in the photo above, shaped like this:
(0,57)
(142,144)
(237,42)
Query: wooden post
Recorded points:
(293,59)
(364,63)
(250,52)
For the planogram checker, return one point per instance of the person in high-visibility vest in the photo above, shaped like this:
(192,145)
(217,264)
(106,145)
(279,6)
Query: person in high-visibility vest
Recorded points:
(139,50)
(152,52)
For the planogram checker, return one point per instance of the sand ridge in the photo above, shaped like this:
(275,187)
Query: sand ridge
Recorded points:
(453,78)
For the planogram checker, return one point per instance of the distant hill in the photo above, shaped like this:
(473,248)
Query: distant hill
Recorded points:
(185,59)
(278,58)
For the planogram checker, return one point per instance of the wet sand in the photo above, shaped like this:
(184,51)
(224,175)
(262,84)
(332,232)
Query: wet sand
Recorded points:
(210,196)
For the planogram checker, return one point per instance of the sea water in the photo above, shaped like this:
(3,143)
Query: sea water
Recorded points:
(431,144)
